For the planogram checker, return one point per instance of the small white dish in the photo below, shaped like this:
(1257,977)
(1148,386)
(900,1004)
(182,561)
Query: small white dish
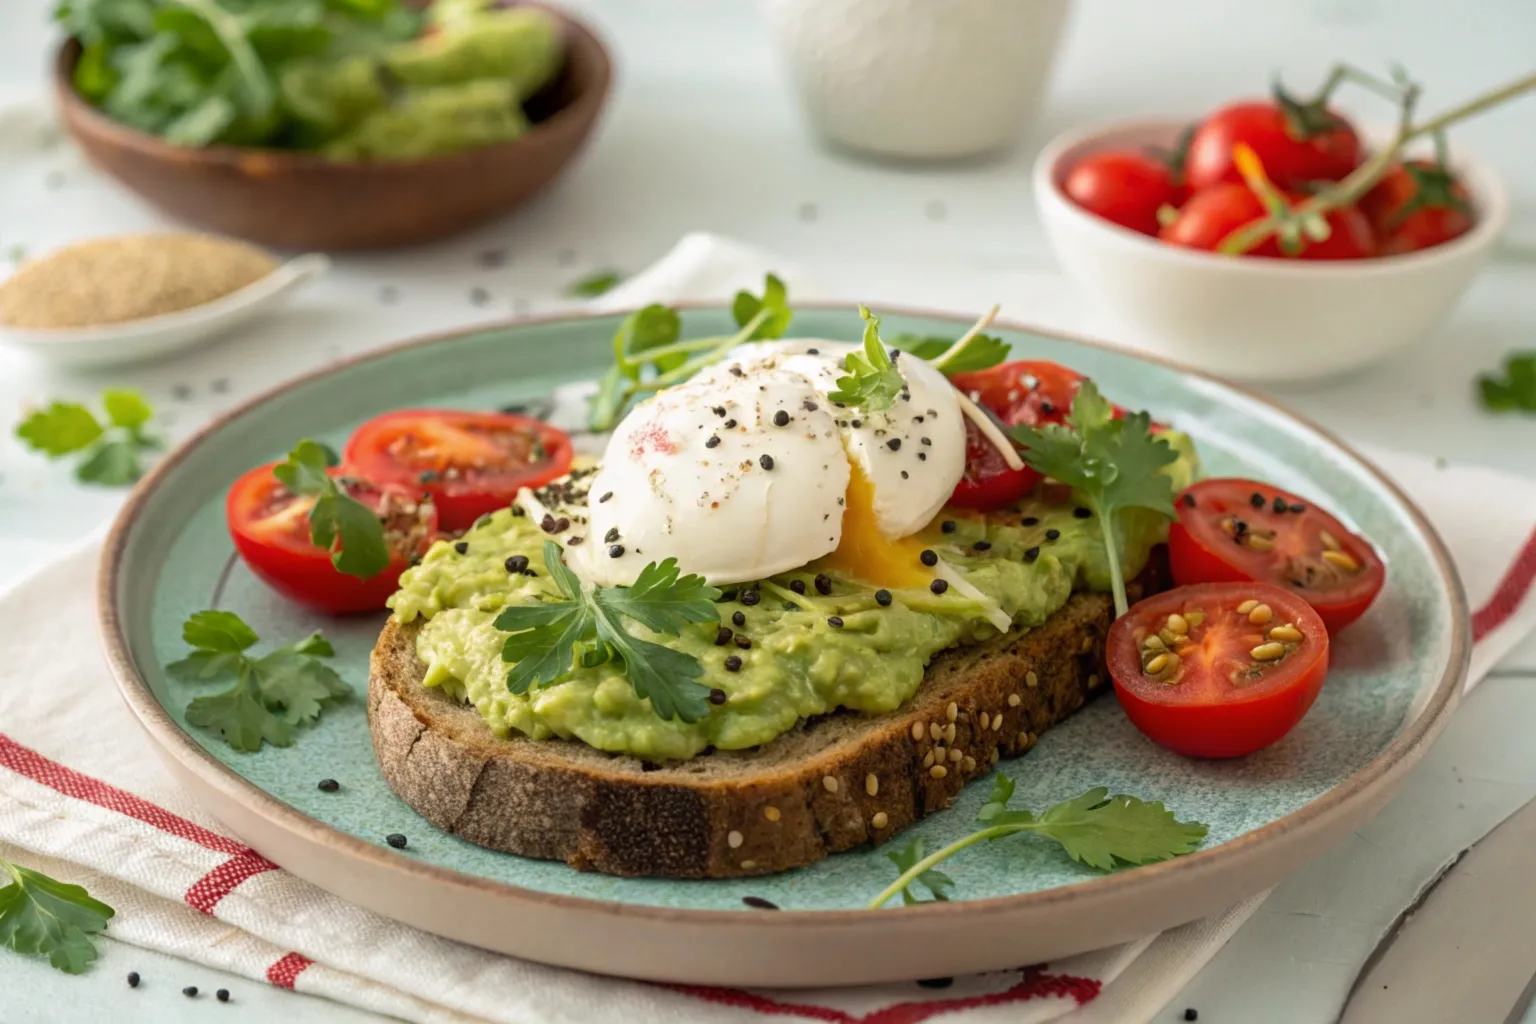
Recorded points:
(1262,320)
(138,340)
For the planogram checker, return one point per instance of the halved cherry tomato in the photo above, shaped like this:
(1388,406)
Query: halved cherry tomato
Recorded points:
(1125,188)
(1230,530)
(988,483)
(1218,670)
(1214,213)
(1417,205)
(1298,143)
(470,462)
(270,528)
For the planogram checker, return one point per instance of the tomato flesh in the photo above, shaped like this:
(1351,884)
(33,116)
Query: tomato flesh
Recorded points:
(1231,530)
(1218,670)
(1291,160)
(1124,188)
(470,463)
(270,529)
(988,482)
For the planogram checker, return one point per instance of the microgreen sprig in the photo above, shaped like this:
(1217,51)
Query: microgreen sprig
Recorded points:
(1094,829)
(114,451)
(1113,463)
(872,381)
(585,626)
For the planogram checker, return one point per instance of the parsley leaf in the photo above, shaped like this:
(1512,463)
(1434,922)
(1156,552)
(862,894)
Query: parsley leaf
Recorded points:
(775,299)
(338,522)
(1094,829)
(271,694)
(42,916)
(547,640)
(872,382)
(113,451)
(1114,464)
(599,282)
(1515,391)
(923,346)
(936,882)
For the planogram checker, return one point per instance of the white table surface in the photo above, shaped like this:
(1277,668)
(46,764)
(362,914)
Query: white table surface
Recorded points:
(704,134)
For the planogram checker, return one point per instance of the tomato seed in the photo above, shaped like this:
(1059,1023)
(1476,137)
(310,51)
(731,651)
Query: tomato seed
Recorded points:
(1247,606)
(1268,652)
(1260,614)
(1178,623)
(1342,560)
(1286,633)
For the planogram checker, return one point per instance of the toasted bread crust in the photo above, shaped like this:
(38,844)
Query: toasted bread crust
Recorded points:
(785,804)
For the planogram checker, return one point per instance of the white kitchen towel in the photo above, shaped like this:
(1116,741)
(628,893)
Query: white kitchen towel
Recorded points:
(83,797)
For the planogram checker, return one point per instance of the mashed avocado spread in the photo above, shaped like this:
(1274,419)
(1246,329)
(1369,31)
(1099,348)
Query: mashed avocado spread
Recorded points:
(798,665)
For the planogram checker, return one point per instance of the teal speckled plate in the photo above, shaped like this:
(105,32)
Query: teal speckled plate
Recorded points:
(1394,680)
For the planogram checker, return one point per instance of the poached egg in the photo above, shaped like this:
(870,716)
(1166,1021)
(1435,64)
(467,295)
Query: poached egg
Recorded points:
(749,470)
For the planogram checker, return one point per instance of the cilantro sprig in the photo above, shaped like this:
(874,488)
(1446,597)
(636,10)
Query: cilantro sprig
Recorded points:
(113,450)
(1515,389)
(872,381)
(338,522)
(271,695)
(647,355)
(1113,463)
(1095,829)
(586,626)
(41,916)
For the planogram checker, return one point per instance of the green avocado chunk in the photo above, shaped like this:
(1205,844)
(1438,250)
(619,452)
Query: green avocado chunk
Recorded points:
(798,664)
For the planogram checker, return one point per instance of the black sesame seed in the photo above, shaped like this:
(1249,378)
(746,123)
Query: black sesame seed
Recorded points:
(1029,521)
(948,526)
(1189,501)
(858,423)
(329,785)
(781,418)
(1256,500)
(737,371)
(606,496)
(615,550)
(922,456)
(562,524)
(757,902)
(743,642)
(883,598)
(1280,506)
(938,586)
(1049,408)
(1239,527)
(729,424)
(923,440)
(739,618)
(1190,1013)
(1082,513)
(1298,508)
(835,621)
(894,444)
(717,696)
(750,597)
(936,982)
(809,406)
(133,979)
(718,410)
(904,475)
(895,354)
(712,442)
(611,536)
(729,595)
(1053,534)
(928,557)
(733,664)
(1030,554)
(190,991)
(823,584)
(766,462)
(517,512)
(723,636)
(462,547)
(982,545)
(222,995)
(517,563)
(798,586)
(813,351)
(396,840)
(530,574)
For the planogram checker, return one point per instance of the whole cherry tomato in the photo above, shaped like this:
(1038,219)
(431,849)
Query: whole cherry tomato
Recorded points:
(1298,143)
(1125,188)
(1214,213)
(1417,205)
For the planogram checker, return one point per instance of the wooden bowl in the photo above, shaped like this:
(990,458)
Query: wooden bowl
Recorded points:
(303,201)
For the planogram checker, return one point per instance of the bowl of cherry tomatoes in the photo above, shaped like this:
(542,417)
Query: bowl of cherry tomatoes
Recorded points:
(1137,211)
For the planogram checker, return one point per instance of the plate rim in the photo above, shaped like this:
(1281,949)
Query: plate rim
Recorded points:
(174,741)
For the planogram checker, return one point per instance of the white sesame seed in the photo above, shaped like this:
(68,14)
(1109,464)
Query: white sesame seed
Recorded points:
(917,730)
(938,771)
(995,755)
(970,763)
(935,731)
(872,784)
(734,839)
(829,783)
(997,722)
(1087,644)
(955,754)
(1093,681)
(928,759)
(949,733)
(1014,700)
(984,719)
(880,820)
(1031,680)
(748,865)
(953,711)
(771,813)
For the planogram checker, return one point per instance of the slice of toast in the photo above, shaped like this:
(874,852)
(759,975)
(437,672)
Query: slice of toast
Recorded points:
(829,785)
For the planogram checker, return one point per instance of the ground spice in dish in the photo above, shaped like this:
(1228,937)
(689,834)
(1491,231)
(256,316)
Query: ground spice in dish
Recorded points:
(128,277)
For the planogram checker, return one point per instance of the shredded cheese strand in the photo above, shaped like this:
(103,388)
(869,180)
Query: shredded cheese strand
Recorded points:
(989,430)
(990,609)
(964,339)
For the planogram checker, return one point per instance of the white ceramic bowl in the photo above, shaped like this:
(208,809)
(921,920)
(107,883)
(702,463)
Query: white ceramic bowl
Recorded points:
(1256,319)
(140,340)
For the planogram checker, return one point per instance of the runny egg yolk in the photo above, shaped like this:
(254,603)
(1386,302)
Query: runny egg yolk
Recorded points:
(864,552)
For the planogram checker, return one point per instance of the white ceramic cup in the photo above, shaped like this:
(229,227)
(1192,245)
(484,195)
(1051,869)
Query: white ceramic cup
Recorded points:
(919,79)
